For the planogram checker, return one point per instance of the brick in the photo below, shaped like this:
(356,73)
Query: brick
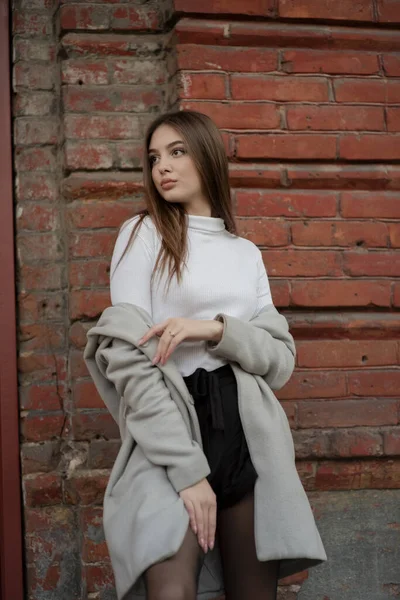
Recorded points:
(369,147)
(110,186)
(128,155)
(350,325)
(360,90)
(346,353)
(380,264)
(264,232)
(90,425)
(286,146)
(248,60)
(39,246)
(42,367)
(341,177)
(41,337)
(396,295)
(346,413)
(90,273)
(332,63)
(138,72)
(286,203)
(34,49)
(37,217)
(339,233)
(79,44)
(27,23)
(264,176)
(335,118)
(238,116)
(280,293)
(393,118)
(290,409)
(303,263)
(355,442)
(77,365)
(36,186)
(37,4)
(394,234)
(43,277)
(306,471)
(340,293)
(88,303)
(391,442)
(202,85)
(370,204)
(99,577)
(103,453)
(35,159)
(35,104)
(34,76)
(84,72)
(95,18)
(87,155)
(117,127)
(91,244)
(91,214)
(125,99)
(85,395)
(86,487)
(40,306)
(311,443)
(37,427)
(30,130)
(354,475)
(94,544)
(316,384)
(279,88)
(129,18)
(43,396)
(391,65)
(42,489)
(40,457)
(374,383)
(388,11)
(259,8)
(348,10)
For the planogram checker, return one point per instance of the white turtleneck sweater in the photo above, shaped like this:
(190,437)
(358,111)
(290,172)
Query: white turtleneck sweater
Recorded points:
(225,274)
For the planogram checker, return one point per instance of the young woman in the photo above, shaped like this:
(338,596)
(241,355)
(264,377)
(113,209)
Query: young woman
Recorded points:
(183,262)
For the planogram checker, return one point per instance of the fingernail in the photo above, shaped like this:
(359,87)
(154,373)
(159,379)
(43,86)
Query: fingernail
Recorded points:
(211,545)
(155,360)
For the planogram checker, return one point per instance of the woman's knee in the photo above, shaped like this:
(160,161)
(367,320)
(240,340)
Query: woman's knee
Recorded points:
(174,591)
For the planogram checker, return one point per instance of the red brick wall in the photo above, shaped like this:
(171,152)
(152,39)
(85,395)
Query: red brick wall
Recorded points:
(307,94)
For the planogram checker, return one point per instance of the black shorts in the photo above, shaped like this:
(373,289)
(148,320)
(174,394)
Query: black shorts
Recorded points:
(216,401)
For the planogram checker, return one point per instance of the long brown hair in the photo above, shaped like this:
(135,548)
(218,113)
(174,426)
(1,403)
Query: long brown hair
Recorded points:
(205,146)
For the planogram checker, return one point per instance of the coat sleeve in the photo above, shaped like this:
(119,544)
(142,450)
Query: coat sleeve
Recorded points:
(152,416)
(266,349)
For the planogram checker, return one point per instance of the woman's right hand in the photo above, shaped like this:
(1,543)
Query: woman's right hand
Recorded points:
(201,504)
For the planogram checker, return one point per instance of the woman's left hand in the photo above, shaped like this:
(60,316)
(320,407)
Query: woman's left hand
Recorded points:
(174,331)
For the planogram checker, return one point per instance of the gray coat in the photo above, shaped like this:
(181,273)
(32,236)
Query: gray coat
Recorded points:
(161,453)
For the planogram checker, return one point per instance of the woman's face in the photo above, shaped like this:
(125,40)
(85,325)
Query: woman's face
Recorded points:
(173,170)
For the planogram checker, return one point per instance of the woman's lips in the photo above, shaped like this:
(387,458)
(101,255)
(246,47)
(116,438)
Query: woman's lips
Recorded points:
(168,185)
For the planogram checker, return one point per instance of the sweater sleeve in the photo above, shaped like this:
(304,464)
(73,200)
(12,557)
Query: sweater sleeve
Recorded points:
(266,351)
(152,416)
(264,296)
(130,279)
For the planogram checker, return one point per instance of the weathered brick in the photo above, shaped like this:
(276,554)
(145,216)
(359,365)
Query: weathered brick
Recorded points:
(260,8)
(30,130)
(286,146)
(349,10)
(37,217)
(346,353)
(43,277)
(84,72)
(253,60)
(26,23)
(337,233)
(138,72)
(355,443)
(388,11)
(313,293)
(105,44)
(374,383)
(347,413)
(42,489)
(264,232)
(132,18)
(84,17)
(102,453)
(279,88)
(111,99)
(335,118)
(94,544)
(34,49)
(394,234)
(314,384)
(88,303)
(360,90)
(210,86)
(128,155)
(99,577)
(117,127)
(373,264)
(332,63)
(391,65)
(85,155)
(35,159)
(391,441)
(41,337)
(92,244)
(37,427)
(43,396)
(369,147)
(36,186)
(286,203)
(85,395)
(77,366)
(89,425)
(393,118)
(280,292)
(39,246)
(370,204)
(40,457)
(303,263)
(353,475)
(35,104)
(238,115)
(89,273)
(86,487)
(34,306)
(78,334)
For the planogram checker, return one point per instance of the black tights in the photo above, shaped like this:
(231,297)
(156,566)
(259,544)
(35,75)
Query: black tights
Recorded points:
(244,575)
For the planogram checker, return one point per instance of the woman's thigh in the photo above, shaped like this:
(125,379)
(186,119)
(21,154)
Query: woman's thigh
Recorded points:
(176,578)
(244,575)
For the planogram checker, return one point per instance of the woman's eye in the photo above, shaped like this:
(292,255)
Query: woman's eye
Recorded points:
(152,160)
(181,150)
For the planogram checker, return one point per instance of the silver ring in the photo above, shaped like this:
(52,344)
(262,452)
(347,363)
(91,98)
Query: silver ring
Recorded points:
(170,333)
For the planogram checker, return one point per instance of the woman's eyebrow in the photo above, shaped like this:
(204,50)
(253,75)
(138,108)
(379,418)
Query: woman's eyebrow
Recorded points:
(168,145)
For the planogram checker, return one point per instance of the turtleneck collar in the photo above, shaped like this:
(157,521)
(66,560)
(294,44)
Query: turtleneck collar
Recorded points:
(209,224)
